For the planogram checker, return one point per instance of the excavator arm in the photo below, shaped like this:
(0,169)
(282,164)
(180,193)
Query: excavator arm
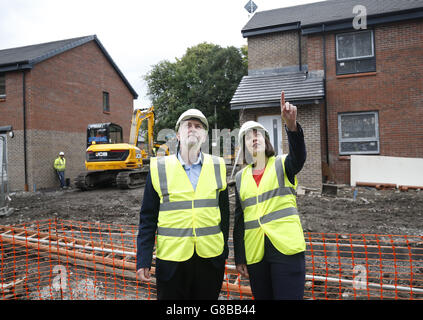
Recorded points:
(122,164)
(138,117)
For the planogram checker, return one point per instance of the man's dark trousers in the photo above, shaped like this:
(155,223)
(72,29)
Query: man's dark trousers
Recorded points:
(195,279)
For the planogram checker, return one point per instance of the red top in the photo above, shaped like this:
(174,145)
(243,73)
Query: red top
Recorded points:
(257,175)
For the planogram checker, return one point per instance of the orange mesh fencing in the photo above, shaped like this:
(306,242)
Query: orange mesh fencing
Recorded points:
(71,260)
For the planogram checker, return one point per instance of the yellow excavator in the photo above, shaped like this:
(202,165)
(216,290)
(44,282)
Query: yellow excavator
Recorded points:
(109,161)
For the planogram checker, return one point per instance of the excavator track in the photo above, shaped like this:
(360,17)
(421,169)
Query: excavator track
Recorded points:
(126,179)
(91,180)
(131,179)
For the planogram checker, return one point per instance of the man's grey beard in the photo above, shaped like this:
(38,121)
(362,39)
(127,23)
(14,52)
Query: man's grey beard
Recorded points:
(190,152)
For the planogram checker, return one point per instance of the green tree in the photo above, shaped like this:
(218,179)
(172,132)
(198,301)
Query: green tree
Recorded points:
(244,52)
(204,78)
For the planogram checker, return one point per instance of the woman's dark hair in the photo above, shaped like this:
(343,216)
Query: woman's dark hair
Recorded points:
(269,151)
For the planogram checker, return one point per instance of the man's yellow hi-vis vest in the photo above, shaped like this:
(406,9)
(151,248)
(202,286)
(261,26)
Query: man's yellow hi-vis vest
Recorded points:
(188,219)
(270,209)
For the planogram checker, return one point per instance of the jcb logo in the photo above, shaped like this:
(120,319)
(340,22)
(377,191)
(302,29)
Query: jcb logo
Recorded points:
(101,154)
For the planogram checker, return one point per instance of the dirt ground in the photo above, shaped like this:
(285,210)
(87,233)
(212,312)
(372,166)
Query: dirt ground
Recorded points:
(368,211)
(359,211)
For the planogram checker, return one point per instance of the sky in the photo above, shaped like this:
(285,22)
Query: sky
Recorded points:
(136,33)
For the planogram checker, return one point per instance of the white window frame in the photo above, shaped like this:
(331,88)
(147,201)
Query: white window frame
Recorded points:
(358,57)
(366,139)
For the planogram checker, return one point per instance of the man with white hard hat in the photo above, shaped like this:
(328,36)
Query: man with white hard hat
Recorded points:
(193,126)
(60,167)
(186,201)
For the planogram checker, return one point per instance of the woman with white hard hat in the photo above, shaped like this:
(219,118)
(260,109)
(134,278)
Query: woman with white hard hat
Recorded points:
(268,238)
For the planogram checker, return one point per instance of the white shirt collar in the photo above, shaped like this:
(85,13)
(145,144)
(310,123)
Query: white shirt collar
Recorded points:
(199,160)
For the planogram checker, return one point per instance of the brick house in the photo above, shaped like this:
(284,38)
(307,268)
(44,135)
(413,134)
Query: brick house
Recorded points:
(49,93)
(356,77)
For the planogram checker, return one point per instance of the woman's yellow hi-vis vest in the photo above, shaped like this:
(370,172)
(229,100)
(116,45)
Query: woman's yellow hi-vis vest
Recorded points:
(188,219)
(269,209)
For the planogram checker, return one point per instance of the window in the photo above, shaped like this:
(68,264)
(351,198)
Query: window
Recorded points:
(2,85)
(358,133)
(106,103)
(104,133)
(116,135)
(355,52)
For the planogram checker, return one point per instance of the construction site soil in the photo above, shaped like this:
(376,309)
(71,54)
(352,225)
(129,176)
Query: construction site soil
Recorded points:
(359,210)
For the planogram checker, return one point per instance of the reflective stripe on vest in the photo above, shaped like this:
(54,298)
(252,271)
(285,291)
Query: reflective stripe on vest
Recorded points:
(270,217)
(278,192)
(181,205)
(272,212)
(199,215)
(188,232)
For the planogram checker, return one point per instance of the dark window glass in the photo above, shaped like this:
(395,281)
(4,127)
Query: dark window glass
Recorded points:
(2,85)
(355,52)
(358,133)
(106,102)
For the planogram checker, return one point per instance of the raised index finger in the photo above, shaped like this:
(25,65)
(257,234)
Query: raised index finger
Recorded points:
(283,98)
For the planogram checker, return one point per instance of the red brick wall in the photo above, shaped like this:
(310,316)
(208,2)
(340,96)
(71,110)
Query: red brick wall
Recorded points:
(395,90)
(63,95)
(67,92)
(275,50)
(11,112)
(279,50)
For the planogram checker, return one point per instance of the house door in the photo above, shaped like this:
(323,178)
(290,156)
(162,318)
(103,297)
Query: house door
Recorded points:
(273,124)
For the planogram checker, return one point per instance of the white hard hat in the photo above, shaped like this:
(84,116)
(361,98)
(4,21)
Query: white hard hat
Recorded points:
(61,153)
(248,126)
(192,114)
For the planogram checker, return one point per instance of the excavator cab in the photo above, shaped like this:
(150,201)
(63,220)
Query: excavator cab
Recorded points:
(109,161)
(104,133)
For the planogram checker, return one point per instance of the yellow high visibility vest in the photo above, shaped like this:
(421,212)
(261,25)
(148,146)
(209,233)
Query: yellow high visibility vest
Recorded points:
(269,209)
(60,164)
(188,219)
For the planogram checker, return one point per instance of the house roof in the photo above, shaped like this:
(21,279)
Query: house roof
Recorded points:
(264,90)
(28,56)
(308,16)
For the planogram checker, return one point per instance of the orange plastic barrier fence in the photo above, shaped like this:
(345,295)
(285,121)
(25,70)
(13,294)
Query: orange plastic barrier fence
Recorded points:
(61,259)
